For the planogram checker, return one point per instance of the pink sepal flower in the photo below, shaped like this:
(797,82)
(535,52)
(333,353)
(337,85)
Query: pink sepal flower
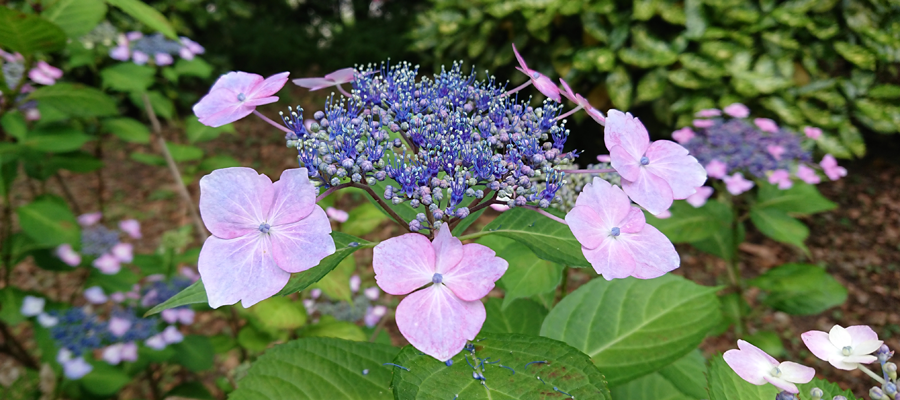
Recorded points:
(664,215)
(604,158)
(131,227)
(844,348)
(355,281)
(683,135)
(775,150)
(373,315)
(766,125)
(372,293)
(107,264)
(121,53)
(261,233)
(89,219)
(155,342)
(708,113)
(737,110)
(119,326)
(439,319)
(755,366)
(172,335)
(808,175)
(76,368)
(163,59)
(614,235)
(832,170)
(44,73)
(653,174)
(95,295)
(185,316)
(133,35)
(736,184)
(123,252)
(716,169)
(337,215)
(782,178)
(119,352)
(582,102)
(335,78)
(68,255)
(812,132)
(139,57)
(541,82)
(704,123)
(235,95)
(699,199)
(47,320)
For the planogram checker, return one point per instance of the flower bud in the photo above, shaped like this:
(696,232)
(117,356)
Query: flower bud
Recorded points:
(890,389)
(876,394)
(816,393)
(891,370)
(884,353)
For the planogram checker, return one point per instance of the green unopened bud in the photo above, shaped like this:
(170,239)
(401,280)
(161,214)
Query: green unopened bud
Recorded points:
(891,370)
(876,394)
(816,393)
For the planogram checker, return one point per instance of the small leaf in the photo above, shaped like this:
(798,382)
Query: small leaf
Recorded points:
(619,86)
(858,55)
(182,153)
(548,239)
(29,34)
(193,294)
(146,15)
(196,67)
(800,289)
(330,327)
(128,77)
(75,17)
(520,316)
(279,313)
(104,379)
(127,129)
(49,222)
(363,219)
(778,225)
(800,199)
(195,353)
(75,100)
(831,389)
(56,139)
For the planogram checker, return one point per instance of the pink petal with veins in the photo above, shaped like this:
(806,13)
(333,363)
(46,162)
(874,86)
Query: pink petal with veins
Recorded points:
(403,263)
(438,323)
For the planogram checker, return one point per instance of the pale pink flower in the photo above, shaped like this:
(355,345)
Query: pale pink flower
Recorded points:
(119,326)
(163,59)
(653,174)
(261,233)
(76,368)
(189,273)
(683,135)
(236,95)
(439,319)
(782,178)
(120,52)
(832,170)
(736,184)
(335,78)
(117,297)
(68,255)
(186,316)
(580,101)
(129,352)
(541,82)
(44,73)
(139,57)
(812,132)
(373,315)
(131,227)
(807,174)
(844,348)
(155,342)
(604,158)
(32,114)
(704,123)
(89,219)
(372,293)
(355,281)
(776,151)
(766,125)
(755,366)
(113,354)
(32,306)
(337,215)
(716,169)
(190,49)
(499,207)
(170,315)
(107,264)
(123,252)
(664,215)
(133,35)
(699,199)
(315,293)
(95,295)
(708,113)
(172,335)
(615,237)
(737,110)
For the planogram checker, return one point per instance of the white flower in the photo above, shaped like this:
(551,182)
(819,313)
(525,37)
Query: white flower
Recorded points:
(844,348)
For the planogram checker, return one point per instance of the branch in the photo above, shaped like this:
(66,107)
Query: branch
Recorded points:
(331,190)
(383,205)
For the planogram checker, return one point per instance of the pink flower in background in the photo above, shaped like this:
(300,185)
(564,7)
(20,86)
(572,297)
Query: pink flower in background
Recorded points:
(47,320)
(140,58)
(541,82)
(615,237)
(89,219)
(782,178)
(162,59)
(235,95)
(73,368)
(131,227)
(119,326)
(335,78)
(262,232)
(844,348)
(190,49)
(117,297)
(337,215)
(582,102)
(699,199)
(373,315)
(121,53)
(44,73)
(95,295)
(123,252)
(704,123)
(812,132)
(439,319)
(683,135)
(807,174)
(189,273)
(605,158)
(155,342)
(119,352)
(766,125)
(736,184)
(653,174)
(775,151)
(372,293)
(499,207)
(107,264)
(68,255)
(355,281)
(737,110)
(171,335)
(315,293)
(755,366)
(716,169)
(832,170)
(133,35)
(708,113)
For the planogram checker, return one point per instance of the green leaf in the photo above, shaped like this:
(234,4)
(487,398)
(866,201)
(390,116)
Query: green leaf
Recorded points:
(682,380)
(601,59)
(725,384)
(779,226)
(831,389)
(254,339)
(632,327)
(856,54)
(12,299)
(182,152)
(149,159)
(195,353)
(800,289)
(14,124)
(319,368)
(527,274)
(56,139)
(279,313)
(651,86)
(650,387)
(190,390)
(75,17)
(885,91)
(330,327)
(197,132)
(336,284)
(690,224)
(520,316)
(146,15)
(217,162)
(76,100)
(29,34)
(548,239)
(619,86)
(565,368)
(104,379)
(128,77)
(800,199)
(768,342)
(162,105)
(127,129)
(193,294)
(196,67)
(363,219)
(49,222)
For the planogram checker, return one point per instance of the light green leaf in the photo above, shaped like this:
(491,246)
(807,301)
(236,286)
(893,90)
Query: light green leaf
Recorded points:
(725,384)
(128,77)
(690,224)
(195,353)
(800,289)
(29,34)
(14,124)
(688,374)
(521,316)
(75,100)
(831,389)
(885,91)
(182,153)
(800,199)
(193,294)
(650,387)
(75,17)
(652,85)
(527,274)
(345,244)
(619,86)
(856,54)
(127,129)
(768,342)
(146,15)
(197,132)
(49,222)
(56,139)
(279,313)
(104,379)
(162,105)
(336,285)
(217,162)
(196,67)
(363,219)
(548,239)
(330,327)
(632,327)
(565,368)
(319,368)
(778,225)
(601,59)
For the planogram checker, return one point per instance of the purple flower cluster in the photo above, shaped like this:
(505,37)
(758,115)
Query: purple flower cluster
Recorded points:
(446,141)
(362,308)
(103,243)
(139,48)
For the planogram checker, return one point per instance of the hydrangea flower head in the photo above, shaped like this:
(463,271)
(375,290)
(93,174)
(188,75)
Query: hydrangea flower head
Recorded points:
(44,73)
(235,95)
(335,78)
(439,319)
(615,237)
(755,366)
(541,82)
(262,232)
(653,174)
(95,295)
(844,348)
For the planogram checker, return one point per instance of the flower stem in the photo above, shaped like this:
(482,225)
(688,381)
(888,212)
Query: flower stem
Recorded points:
(270,122)
(870,373)
(383,205)
(332,190)
(546,214)
(520,87)
(589,171)
(570,112)
(344,92)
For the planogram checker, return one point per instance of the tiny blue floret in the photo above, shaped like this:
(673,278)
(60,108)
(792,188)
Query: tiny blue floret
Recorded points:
(437,278)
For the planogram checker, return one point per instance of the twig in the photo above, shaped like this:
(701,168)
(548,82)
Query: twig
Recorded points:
(383,205)
(378,328)
(546,214)
(331,190)
(154,385)
(67,193)
(173,169)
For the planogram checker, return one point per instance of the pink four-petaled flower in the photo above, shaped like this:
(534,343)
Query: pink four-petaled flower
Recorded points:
(653,174)
(737,110)
(844,348)
(335,78)
(439,319)
(235,95)
(782,178)
(808,174)
(580,101)
(832,170)
(716,169)
(262,232)
(615,237)
(683,135)
(699,199)
(541,82)
(755,366)
(736,184)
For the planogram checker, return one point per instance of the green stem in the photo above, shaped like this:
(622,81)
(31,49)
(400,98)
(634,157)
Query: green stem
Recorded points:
(871,374)
(564,287)
(383,205)
(734,272)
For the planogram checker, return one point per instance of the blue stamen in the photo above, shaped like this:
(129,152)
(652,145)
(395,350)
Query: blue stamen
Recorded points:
(264,227)
(513,371)
(365,372)
(437,278)
(535,362)
(398,366)
(542,381)
(241,97)
(645,160)
(536,75)
(557,389)
(615,231)
(467,361)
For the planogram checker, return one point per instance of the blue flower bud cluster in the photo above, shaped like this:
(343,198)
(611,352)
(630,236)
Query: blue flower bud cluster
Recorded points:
(744,147)
(156,43)
(344,311)
(97,240)
(447,141)
(81,331)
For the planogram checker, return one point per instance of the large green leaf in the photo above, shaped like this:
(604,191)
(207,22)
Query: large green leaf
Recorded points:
(56,139)
(363,219)
(800,199)
(76,100)
(195,353)
(632,327)
(800,289)
(319,368)
(682,380)
(560,368)
(193,294)
(527,274)
(690,224)
(523,316)
(75,17)
(127,129)
(29,34)
(778,225)
(725,384)
(830,389)
(548,239)
(128,77)
(146,15)
(49,222)
(104,380)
